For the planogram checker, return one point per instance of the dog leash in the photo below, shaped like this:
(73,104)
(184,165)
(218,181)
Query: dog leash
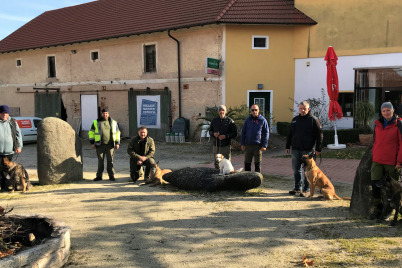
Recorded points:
(14,158)
(217,147)
(323,168)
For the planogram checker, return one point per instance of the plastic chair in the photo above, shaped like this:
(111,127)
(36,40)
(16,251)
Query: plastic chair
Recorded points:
(205,132)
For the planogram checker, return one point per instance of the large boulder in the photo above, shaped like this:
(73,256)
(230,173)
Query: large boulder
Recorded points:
(59,152)
(208,179)
(361,203)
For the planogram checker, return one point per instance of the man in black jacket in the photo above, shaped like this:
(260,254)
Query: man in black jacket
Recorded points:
(305,137)
(223,129)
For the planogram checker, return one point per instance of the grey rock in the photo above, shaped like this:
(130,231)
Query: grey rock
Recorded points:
(361,203)
(208,179)
(59,152)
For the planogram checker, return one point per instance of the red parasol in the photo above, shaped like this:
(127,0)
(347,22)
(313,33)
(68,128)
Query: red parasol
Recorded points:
(333,85)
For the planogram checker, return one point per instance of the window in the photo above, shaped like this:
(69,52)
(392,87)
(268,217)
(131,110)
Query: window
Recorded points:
(51,66)
(260,42)
(19,62)
(345,100)
(261,103)
(149,58)
(95,55)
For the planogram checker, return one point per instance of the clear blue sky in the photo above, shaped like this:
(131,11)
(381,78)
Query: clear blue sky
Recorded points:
(15,13)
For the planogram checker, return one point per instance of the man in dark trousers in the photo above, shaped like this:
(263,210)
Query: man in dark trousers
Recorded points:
(223,129)
(305,137)
(254,138)
(104,135)
(141,150)
(10,141)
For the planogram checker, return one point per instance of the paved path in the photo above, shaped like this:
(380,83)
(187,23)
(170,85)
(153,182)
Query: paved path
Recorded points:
(339,170)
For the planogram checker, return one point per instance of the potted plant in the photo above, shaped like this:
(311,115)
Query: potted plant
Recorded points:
(364,114)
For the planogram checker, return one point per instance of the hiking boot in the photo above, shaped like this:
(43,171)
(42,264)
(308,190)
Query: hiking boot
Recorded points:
(294,191)
(97,179)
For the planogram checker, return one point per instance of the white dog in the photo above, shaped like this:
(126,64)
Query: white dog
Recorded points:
(225,167)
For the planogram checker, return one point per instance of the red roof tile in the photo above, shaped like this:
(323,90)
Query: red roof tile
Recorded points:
(104,19)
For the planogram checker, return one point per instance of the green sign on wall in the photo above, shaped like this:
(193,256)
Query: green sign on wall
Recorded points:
(212,63)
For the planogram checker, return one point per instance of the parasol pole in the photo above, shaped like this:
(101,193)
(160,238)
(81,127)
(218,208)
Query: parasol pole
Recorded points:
(336,134)
(336,145)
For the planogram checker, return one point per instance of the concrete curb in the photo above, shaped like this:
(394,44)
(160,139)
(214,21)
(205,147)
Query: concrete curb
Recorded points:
(52,252)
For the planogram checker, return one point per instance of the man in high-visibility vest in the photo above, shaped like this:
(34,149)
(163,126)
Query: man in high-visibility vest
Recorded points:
(104,135)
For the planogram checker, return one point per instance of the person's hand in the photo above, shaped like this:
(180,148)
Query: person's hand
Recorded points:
(317,153)
(263,149)
(139,162)
(143,158)
(222,137)
(93,146)
(18,151)
(398,166)
(243,148)
(117,146)
(287,151)
(216,134)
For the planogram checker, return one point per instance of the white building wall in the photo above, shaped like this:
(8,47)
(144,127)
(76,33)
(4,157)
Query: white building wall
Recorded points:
(311,75)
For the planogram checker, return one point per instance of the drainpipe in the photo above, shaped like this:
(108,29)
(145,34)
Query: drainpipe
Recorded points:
(178,70)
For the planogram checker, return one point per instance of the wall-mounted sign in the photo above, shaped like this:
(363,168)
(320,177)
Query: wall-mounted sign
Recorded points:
(212,63)
(212,66)
(213,71)
(148,111)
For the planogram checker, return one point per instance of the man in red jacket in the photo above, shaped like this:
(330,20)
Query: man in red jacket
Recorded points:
(387,152)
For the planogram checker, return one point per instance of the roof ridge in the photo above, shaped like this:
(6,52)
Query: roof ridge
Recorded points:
(225,9)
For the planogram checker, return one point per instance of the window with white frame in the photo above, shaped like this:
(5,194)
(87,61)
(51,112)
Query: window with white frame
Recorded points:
(260,42)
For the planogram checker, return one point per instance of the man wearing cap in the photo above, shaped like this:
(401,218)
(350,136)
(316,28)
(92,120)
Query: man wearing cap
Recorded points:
(387,152)
(223,129)
(10,140)
(104,135)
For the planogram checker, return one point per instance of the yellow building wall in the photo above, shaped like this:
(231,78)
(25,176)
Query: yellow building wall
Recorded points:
(355,27)
(245,67)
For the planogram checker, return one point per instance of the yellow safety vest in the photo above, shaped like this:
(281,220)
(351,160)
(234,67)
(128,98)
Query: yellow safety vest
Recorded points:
(96,134)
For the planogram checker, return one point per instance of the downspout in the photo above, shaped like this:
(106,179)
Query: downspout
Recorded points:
(178,70)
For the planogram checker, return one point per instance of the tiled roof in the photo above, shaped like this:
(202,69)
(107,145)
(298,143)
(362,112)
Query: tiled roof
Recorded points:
(104,19)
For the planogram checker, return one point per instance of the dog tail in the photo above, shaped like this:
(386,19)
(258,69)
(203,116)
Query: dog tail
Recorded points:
(236,171)
(342,198)
(29,185)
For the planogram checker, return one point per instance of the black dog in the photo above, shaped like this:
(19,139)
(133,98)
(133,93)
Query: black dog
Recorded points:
(391,193)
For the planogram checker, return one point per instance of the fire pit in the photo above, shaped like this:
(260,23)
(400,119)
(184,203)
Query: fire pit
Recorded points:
(52,246)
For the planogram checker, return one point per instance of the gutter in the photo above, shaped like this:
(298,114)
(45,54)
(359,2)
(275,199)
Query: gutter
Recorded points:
(178,69)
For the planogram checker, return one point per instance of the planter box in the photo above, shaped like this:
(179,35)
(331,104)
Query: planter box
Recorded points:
(365,139)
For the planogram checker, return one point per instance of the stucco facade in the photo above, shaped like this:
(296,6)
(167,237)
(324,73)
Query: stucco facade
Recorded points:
(364,34)
(120,67)
(273,67)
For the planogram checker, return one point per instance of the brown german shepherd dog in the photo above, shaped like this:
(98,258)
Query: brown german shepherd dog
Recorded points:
(156,174)
(317,178)
(18,175)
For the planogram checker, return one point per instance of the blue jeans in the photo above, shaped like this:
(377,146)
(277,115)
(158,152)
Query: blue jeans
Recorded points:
(298,171)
